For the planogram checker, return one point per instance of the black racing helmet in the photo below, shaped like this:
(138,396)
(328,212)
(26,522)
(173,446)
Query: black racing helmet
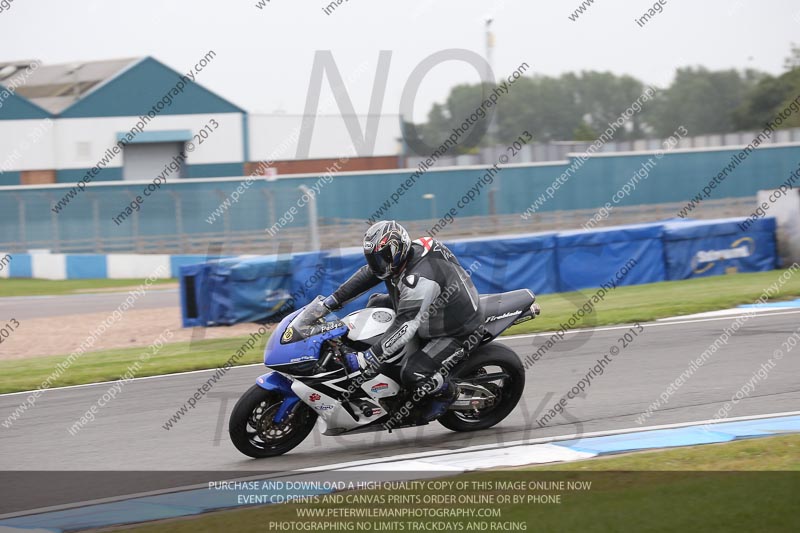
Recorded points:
(386,246)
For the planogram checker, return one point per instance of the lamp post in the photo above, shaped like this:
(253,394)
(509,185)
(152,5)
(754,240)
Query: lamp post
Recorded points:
(432,198)
(491,130)
(313,222)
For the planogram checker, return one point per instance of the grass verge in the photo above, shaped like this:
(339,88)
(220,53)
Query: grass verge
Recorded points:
(771,453)
(92,367)
(44,287)
(622,305)
(641,303)
(651,491)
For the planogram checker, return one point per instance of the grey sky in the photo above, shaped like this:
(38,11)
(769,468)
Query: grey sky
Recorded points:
(264,56)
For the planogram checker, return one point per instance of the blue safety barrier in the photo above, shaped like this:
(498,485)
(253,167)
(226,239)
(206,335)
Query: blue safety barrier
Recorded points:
(226,291)
(258,289)
(696,248)
(622,255)
(261,289)
(503,264)
(234,290)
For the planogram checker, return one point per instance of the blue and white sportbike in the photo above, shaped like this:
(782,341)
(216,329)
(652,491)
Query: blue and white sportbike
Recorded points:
(309,380)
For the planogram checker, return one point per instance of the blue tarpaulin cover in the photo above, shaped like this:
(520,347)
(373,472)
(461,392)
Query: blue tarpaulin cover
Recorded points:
(505,264)
(696,248)
(243,290)
(591,258)
(260,289)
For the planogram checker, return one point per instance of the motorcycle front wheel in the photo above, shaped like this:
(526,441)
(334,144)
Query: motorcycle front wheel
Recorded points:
(253,431)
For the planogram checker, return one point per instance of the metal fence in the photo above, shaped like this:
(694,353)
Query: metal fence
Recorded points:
(187,216)
(342,233)
(560,150)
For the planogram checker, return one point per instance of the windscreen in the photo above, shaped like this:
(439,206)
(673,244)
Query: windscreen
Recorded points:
(305,325)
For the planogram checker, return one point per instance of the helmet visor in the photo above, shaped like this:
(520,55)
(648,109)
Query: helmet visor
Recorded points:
(380,262)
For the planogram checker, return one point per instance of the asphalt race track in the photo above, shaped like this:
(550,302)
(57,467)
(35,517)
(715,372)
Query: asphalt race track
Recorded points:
(24,307)
(128,433)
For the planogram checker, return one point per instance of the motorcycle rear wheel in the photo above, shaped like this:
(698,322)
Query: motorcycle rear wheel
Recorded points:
(253,431)
(491,358)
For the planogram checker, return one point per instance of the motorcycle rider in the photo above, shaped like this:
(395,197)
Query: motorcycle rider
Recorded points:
(436,303)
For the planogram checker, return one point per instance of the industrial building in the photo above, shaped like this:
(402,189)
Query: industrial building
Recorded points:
(61,121)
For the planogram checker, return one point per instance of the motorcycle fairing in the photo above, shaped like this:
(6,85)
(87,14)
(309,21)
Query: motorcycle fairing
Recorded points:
(324,394)
(381,386)
(367,325)
(275,381)
(278,353)
(333,414)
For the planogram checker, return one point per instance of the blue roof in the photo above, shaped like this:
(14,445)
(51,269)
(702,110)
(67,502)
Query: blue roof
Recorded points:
(136,89)
(14,107)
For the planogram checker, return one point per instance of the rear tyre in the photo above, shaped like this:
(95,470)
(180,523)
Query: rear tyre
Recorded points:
(253,431)
(489,359)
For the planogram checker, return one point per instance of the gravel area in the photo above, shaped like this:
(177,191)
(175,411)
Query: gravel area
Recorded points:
(61,335)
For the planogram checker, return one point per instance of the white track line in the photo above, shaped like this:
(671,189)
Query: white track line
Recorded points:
(502,338)
(543,440)
(645,325)
(394,458)
(134,379)
(4,299)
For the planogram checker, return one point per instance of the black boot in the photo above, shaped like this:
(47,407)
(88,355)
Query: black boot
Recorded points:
(441,399)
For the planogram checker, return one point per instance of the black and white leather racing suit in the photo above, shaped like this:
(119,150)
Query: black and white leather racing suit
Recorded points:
(437,308)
